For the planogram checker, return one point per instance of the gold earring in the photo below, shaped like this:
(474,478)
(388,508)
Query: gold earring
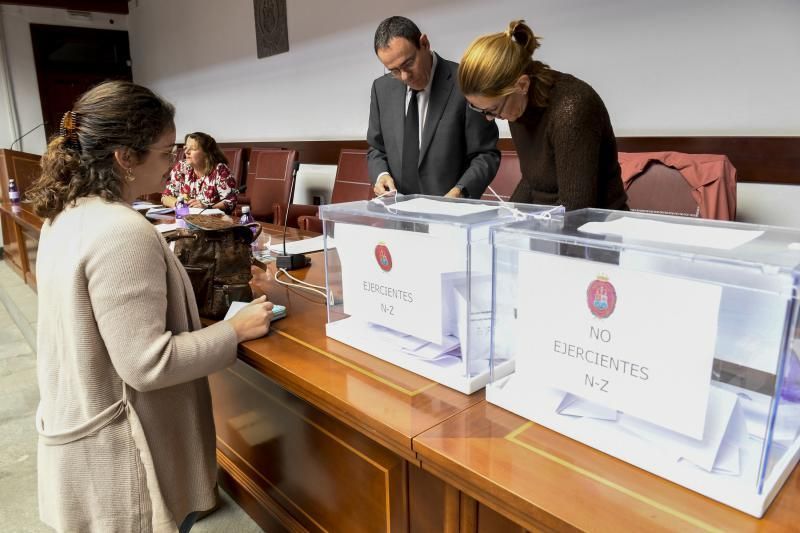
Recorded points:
(129,177)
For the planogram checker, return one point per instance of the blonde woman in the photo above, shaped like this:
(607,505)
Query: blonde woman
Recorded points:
(560,126)
(203,177)
(126,434)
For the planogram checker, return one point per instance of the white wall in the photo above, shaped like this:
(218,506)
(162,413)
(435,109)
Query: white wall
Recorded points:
(683,67)
(16,35)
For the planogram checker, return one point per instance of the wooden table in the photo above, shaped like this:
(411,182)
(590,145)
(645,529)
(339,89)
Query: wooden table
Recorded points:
(22,227)
(543,480)
(315,435)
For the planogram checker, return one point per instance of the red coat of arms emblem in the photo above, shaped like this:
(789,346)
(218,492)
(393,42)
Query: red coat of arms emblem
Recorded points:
(383,257)
(601,297)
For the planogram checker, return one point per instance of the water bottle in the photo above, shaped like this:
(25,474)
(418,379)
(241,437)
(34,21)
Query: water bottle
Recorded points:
(181,207)
(13,191)
(247,218)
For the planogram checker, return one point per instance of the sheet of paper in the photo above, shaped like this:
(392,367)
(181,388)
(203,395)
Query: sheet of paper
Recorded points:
(233,309)
(672,233)
(702,452)
(163,228)
(429,206)
(576,406)
(729,460)
(160,210)
(433,351)
(145,206)
(394,277)
(305,246)
(621,338)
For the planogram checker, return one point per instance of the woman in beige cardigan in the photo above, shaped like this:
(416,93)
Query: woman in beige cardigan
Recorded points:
(126,430)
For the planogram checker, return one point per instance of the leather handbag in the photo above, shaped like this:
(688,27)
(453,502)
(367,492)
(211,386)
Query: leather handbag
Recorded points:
(217,256)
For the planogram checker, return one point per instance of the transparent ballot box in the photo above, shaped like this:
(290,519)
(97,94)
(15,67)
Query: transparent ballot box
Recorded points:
(409,280)
(670,343)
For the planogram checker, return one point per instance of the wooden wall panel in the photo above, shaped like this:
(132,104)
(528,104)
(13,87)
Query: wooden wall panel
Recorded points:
(323,474)
(757,159)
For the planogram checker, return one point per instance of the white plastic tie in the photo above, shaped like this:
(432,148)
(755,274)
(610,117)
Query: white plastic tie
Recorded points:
(519,215)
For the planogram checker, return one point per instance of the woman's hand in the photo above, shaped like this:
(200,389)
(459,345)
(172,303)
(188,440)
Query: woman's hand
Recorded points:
(194,202)
(252,321)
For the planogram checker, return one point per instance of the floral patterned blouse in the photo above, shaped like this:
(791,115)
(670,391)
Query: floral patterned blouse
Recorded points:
(217,186)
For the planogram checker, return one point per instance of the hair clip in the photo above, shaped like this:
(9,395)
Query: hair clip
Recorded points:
(69,130)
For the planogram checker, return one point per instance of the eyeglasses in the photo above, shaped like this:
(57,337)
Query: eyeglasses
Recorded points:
(406,67)
(173,153)
(489,113)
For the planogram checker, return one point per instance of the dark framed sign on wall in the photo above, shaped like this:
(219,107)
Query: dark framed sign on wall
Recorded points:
(272,33)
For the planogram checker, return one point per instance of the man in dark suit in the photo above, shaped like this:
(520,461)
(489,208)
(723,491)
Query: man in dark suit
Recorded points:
(422,138)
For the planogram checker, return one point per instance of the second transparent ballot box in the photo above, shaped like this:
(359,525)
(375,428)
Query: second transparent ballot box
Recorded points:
(409,280)
(670,343)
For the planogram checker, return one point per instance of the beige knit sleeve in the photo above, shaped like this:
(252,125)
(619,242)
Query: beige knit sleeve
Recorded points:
(126,274)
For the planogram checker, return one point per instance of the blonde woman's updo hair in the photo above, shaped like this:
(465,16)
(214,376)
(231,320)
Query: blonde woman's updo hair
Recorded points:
(493,63)
(79,160)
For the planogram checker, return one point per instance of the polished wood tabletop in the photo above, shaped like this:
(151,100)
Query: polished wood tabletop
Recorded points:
(542,479)
(22,214)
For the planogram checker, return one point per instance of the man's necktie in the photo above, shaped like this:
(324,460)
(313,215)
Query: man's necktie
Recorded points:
(410,178)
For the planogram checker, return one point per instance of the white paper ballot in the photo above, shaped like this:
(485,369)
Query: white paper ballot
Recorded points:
(394,277)
(233,309)
(722,411)
(429,206)
(575,406)
(305,246)
(627,340)
(430,350)
(672,233)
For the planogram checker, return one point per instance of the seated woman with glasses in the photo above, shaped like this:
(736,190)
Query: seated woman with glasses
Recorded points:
(560,126)
(203,177)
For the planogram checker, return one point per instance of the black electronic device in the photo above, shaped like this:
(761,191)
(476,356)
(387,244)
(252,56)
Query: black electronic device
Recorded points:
(284,260)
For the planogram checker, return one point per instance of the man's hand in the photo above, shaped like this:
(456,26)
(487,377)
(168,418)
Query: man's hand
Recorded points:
(455,192)
(259,283)
(384,184)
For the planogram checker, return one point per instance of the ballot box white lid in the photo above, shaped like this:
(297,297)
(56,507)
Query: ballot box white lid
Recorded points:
(668,342)
(409,280)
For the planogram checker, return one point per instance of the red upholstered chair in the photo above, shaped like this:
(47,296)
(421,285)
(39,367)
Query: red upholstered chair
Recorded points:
(269,180)
(675,183)
(351,183)
(507,177)
(663,190)
(235,157)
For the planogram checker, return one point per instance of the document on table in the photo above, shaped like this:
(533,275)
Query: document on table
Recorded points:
(673,233)
(305,246)
(427,206)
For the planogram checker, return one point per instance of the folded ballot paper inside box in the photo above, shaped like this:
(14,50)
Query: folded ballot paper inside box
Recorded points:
(410,282)
(670,343)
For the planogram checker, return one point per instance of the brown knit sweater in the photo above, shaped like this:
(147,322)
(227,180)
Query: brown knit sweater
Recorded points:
(567,150)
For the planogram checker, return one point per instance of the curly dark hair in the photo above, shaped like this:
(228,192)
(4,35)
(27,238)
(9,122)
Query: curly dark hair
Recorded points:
(112,115)
(208,145)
